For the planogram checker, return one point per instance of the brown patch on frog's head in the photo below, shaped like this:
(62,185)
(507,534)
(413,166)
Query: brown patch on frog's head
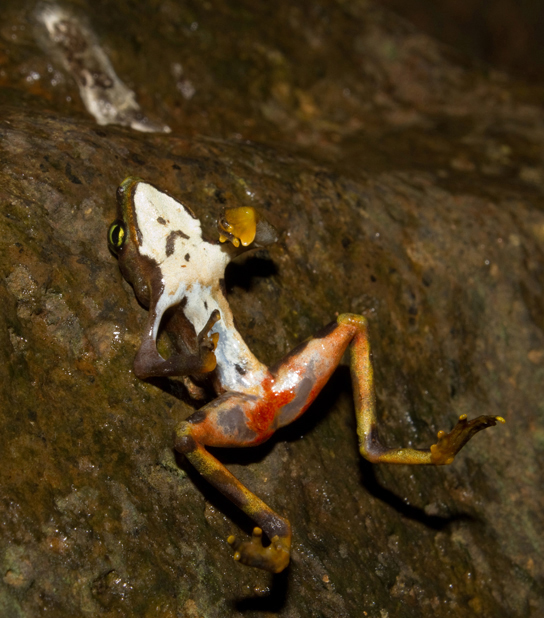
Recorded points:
(142,272)
(124,240)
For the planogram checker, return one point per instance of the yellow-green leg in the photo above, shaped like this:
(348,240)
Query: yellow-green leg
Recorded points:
(448,444)
(273,558)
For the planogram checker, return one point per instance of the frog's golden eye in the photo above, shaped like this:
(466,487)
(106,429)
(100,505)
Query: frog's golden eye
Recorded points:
(116,235)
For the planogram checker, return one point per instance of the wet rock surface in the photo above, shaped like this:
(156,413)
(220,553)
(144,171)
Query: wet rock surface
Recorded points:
(406,187)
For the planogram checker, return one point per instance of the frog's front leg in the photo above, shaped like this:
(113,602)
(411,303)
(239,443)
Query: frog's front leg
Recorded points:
(229,421)
(149,362)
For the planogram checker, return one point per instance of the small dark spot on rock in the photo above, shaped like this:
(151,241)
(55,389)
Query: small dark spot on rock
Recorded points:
(109,589)
(71,177)
(187,257)
(32,416)
(220,196)
(161,221)
(136,159)
(373,278)
(176,167)
(346,242)
(100,133)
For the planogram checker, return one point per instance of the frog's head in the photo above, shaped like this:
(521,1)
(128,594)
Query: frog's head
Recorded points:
(161,252)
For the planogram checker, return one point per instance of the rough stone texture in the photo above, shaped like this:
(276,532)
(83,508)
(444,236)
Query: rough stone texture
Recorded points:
(407,188)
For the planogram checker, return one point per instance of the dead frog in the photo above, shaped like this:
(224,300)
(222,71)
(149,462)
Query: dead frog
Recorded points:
(179,277)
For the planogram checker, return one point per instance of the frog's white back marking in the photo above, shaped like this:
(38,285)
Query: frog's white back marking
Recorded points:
(192,268)
(158,215)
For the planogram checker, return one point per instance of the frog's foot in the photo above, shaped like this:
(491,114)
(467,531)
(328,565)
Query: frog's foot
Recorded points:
(449,444)
(239,225)
(207,343)
(273,558)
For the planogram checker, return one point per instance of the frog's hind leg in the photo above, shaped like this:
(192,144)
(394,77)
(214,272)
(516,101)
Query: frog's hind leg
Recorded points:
(189,441)
(447,446)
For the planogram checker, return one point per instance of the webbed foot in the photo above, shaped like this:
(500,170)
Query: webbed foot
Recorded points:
(207,343)
(449,444)
(273,558)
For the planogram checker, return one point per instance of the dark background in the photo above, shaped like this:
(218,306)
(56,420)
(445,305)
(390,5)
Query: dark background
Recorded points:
(506,34)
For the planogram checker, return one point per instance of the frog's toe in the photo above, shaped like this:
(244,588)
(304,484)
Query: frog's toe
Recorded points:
(449,444)
(238,225)
(208,343)
(273,558)
(208,360)
(204,334)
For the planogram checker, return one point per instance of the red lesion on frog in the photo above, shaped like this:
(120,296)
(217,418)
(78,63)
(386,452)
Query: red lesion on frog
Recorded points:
(252,401)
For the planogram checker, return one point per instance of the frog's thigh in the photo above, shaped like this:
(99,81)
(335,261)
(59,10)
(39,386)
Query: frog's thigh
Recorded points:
(224,421)
(311,364)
